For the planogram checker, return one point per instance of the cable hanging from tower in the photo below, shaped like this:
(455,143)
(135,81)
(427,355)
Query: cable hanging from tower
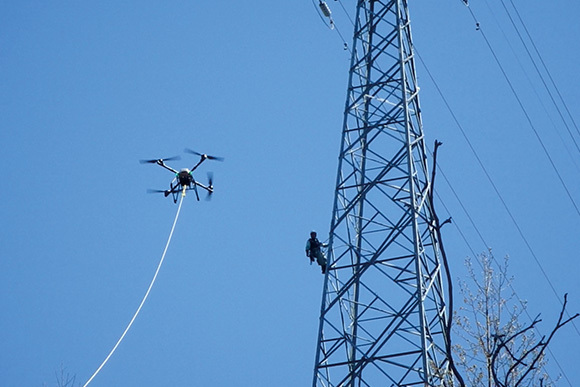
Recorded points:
(324,12)
(487,174)
(544,66)
(543,81)
(504,203)
(470,218)
(526,114)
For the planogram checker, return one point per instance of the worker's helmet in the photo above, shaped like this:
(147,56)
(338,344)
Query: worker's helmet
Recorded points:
(313,233)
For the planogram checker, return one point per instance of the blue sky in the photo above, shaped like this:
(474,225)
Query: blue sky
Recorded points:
(89,89)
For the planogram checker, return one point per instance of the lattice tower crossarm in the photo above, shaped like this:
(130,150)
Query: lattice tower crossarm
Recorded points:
(383,305)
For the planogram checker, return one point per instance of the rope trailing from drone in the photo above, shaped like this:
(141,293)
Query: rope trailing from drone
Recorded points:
(144,298)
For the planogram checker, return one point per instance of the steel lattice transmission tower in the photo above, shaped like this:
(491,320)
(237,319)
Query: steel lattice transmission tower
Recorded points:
(383,308)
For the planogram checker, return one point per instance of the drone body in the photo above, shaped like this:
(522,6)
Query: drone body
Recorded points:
(184,177)
(184,180)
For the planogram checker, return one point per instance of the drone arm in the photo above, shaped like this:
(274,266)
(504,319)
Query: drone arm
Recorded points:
(208,189)
(161,163)
(203,158)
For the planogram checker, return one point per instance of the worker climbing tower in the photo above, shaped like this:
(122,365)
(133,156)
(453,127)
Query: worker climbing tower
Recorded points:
(383,313)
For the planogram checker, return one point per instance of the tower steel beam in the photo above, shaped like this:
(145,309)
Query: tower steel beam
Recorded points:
(383,305)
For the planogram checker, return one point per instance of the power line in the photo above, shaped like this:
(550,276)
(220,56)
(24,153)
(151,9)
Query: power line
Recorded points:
(491,180)
(494,186)
(475,256)
(528,118)
(562,99)
(544,83)
(546,153)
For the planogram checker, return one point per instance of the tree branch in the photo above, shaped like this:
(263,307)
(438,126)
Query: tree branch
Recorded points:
(437,226)
(536,352)
(544,345)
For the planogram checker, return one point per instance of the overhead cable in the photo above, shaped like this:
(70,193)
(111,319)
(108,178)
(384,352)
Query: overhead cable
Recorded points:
(543,80)
(528,118)
(480,162)
(562,99)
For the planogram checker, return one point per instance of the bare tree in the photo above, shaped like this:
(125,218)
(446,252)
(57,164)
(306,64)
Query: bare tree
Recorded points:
(63,378)
(526,362)
(498,349)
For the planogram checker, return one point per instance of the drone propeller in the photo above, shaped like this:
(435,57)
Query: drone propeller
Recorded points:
(156,161)
(166,193)
(187,150)
(209,185)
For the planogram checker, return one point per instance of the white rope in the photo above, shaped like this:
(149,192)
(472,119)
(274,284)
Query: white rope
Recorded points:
(144,298)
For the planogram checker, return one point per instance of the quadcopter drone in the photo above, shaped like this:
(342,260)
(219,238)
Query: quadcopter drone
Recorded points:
(183,180)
